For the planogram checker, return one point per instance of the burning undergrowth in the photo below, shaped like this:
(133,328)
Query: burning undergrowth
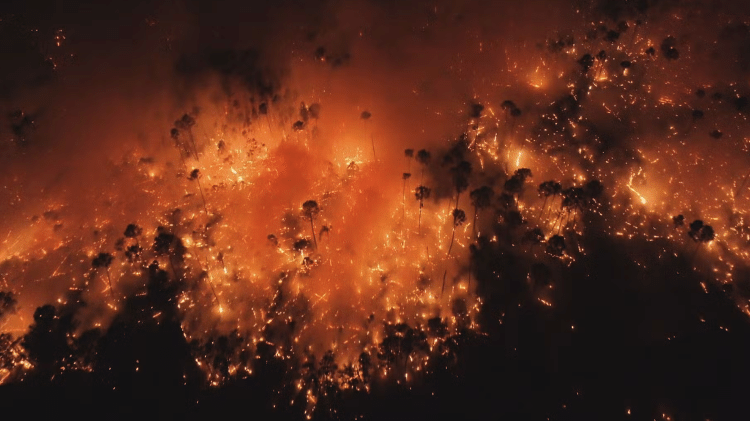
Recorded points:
(328,224)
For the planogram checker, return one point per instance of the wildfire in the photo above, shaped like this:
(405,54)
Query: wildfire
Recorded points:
(292,227)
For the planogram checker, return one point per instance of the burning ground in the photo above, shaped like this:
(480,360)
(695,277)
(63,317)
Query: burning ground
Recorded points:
(336,210)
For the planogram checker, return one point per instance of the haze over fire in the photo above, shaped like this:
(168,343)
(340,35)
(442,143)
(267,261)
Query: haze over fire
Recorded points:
(661,122)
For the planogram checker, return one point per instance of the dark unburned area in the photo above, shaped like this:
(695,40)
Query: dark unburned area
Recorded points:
(625,338)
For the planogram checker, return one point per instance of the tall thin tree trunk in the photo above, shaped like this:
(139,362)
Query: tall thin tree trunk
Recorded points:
(453,235)
(544,206)
(109,280)
(312,226)
(192,141)
(419,222)
(739,190)
(442,290)
(200,188)
(474,223)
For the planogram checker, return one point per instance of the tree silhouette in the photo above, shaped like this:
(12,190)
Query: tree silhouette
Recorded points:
(365,116)
(182,148)
(573,200)
(460,177)
(508,105)
(701,234)
(47,340)
(476,110)
(592,191)
(405,176)
(409,155)
(601,58)
(707,234)
(133,231)
(533,236)
(134,251)
(514,185)
(310,210)
(678,220)
(548,189)
(459,217)
(511,111)
(195,175)
(480,199)
(556,245)
(186,124)
(586,62)
(421,193)
(8,304)
(104,260)
(695,229)
(668,49)
(423,157)
(167,244)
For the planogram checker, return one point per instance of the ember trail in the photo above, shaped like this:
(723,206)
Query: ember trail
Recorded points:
(324,220)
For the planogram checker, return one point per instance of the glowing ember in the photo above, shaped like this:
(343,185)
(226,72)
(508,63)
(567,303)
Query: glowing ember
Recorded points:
(304,211)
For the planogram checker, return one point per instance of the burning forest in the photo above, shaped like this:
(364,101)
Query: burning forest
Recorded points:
(371,210)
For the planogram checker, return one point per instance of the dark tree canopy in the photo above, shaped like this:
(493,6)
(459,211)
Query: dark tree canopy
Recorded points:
(310,209)
(459,217)
(102,260)
(423,157)
(481,197)
(422,193)
(133,230)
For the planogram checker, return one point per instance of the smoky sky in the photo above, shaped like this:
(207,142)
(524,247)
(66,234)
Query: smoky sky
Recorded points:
(93,116)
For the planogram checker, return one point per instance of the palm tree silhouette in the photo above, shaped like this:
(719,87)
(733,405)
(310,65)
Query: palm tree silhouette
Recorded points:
(514,185)
(459,217)
(421,193)
(166,243)
(365,116)
(133,231)
(310,209)
(104,260)
(701,234)
(405,176)
(186,124)
(460,178)
(480,199)
(409,154)
(548,189)
(195,176)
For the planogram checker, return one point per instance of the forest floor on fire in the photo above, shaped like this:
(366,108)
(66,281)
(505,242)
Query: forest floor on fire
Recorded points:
(608,364)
